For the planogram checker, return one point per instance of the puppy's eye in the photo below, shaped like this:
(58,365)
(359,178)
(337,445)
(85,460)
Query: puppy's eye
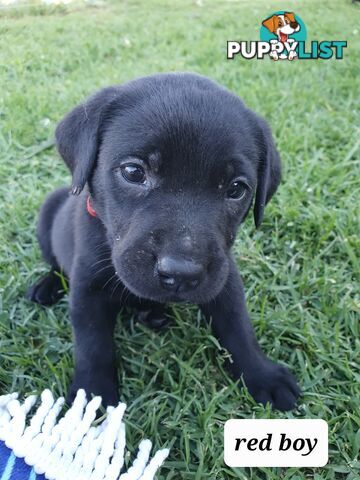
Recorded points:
(236,190)
(133,173)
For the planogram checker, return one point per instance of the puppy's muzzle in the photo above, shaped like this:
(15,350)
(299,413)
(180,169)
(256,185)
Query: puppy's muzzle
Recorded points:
(179,275)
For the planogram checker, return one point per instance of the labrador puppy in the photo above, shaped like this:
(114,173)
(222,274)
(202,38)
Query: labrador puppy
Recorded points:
(164,170)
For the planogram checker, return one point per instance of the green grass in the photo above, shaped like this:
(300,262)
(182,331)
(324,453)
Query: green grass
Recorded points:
(299,269)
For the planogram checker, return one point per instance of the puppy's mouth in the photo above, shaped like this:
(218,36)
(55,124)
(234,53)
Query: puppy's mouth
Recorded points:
(283,37)
(143,278)
(158,295)
(147,287)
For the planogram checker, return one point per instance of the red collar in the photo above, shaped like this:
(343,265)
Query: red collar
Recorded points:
(90,208)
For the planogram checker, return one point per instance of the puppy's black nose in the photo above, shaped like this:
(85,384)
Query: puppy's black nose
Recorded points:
(294,25)
(178,274)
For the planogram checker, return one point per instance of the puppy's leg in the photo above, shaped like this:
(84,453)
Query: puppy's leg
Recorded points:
(267,381)
(93,318)
(48,290)
(48,211)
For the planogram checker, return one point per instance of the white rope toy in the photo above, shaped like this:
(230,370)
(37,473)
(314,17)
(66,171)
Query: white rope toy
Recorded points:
(73,449)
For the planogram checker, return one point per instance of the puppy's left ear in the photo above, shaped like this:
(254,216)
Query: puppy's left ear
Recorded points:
(268,173)
(290,16)
(78,136)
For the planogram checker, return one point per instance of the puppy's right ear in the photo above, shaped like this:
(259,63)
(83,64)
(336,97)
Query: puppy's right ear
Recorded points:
(78,136)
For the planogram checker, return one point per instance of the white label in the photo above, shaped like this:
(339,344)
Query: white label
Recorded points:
(276,443)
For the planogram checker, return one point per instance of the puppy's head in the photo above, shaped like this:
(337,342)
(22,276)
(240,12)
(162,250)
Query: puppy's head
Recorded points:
(173,163)
(282,25)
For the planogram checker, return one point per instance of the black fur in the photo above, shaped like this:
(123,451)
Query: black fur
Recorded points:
(167,239)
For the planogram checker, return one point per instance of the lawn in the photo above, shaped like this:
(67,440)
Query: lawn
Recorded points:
(299,269)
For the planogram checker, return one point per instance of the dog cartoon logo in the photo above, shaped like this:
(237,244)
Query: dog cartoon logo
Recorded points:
(283,37)
(282,25)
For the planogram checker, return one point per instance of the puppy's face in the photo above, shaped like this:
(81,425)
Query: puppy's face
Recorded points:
(175,191)
(176,170)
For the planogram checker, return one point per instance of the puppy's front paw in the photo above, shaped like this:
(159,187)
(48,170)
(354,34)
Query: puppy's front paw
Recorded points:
(271,382)
(154,319)
(47,291)
(274,55)
(105,388)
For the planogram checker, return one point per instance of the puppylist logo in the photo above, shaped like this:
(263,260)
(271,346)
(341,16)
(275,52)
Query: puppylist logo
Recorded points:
(282,37)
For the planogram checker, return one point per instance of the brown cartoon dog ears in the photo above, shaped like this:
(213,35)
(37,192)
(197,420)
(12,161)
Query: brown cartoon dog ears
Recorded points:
(272,23)
(290,16)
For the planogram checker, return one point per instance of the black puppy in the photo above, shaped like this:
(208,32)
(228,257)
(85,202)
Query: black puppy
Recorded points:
(165,169)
